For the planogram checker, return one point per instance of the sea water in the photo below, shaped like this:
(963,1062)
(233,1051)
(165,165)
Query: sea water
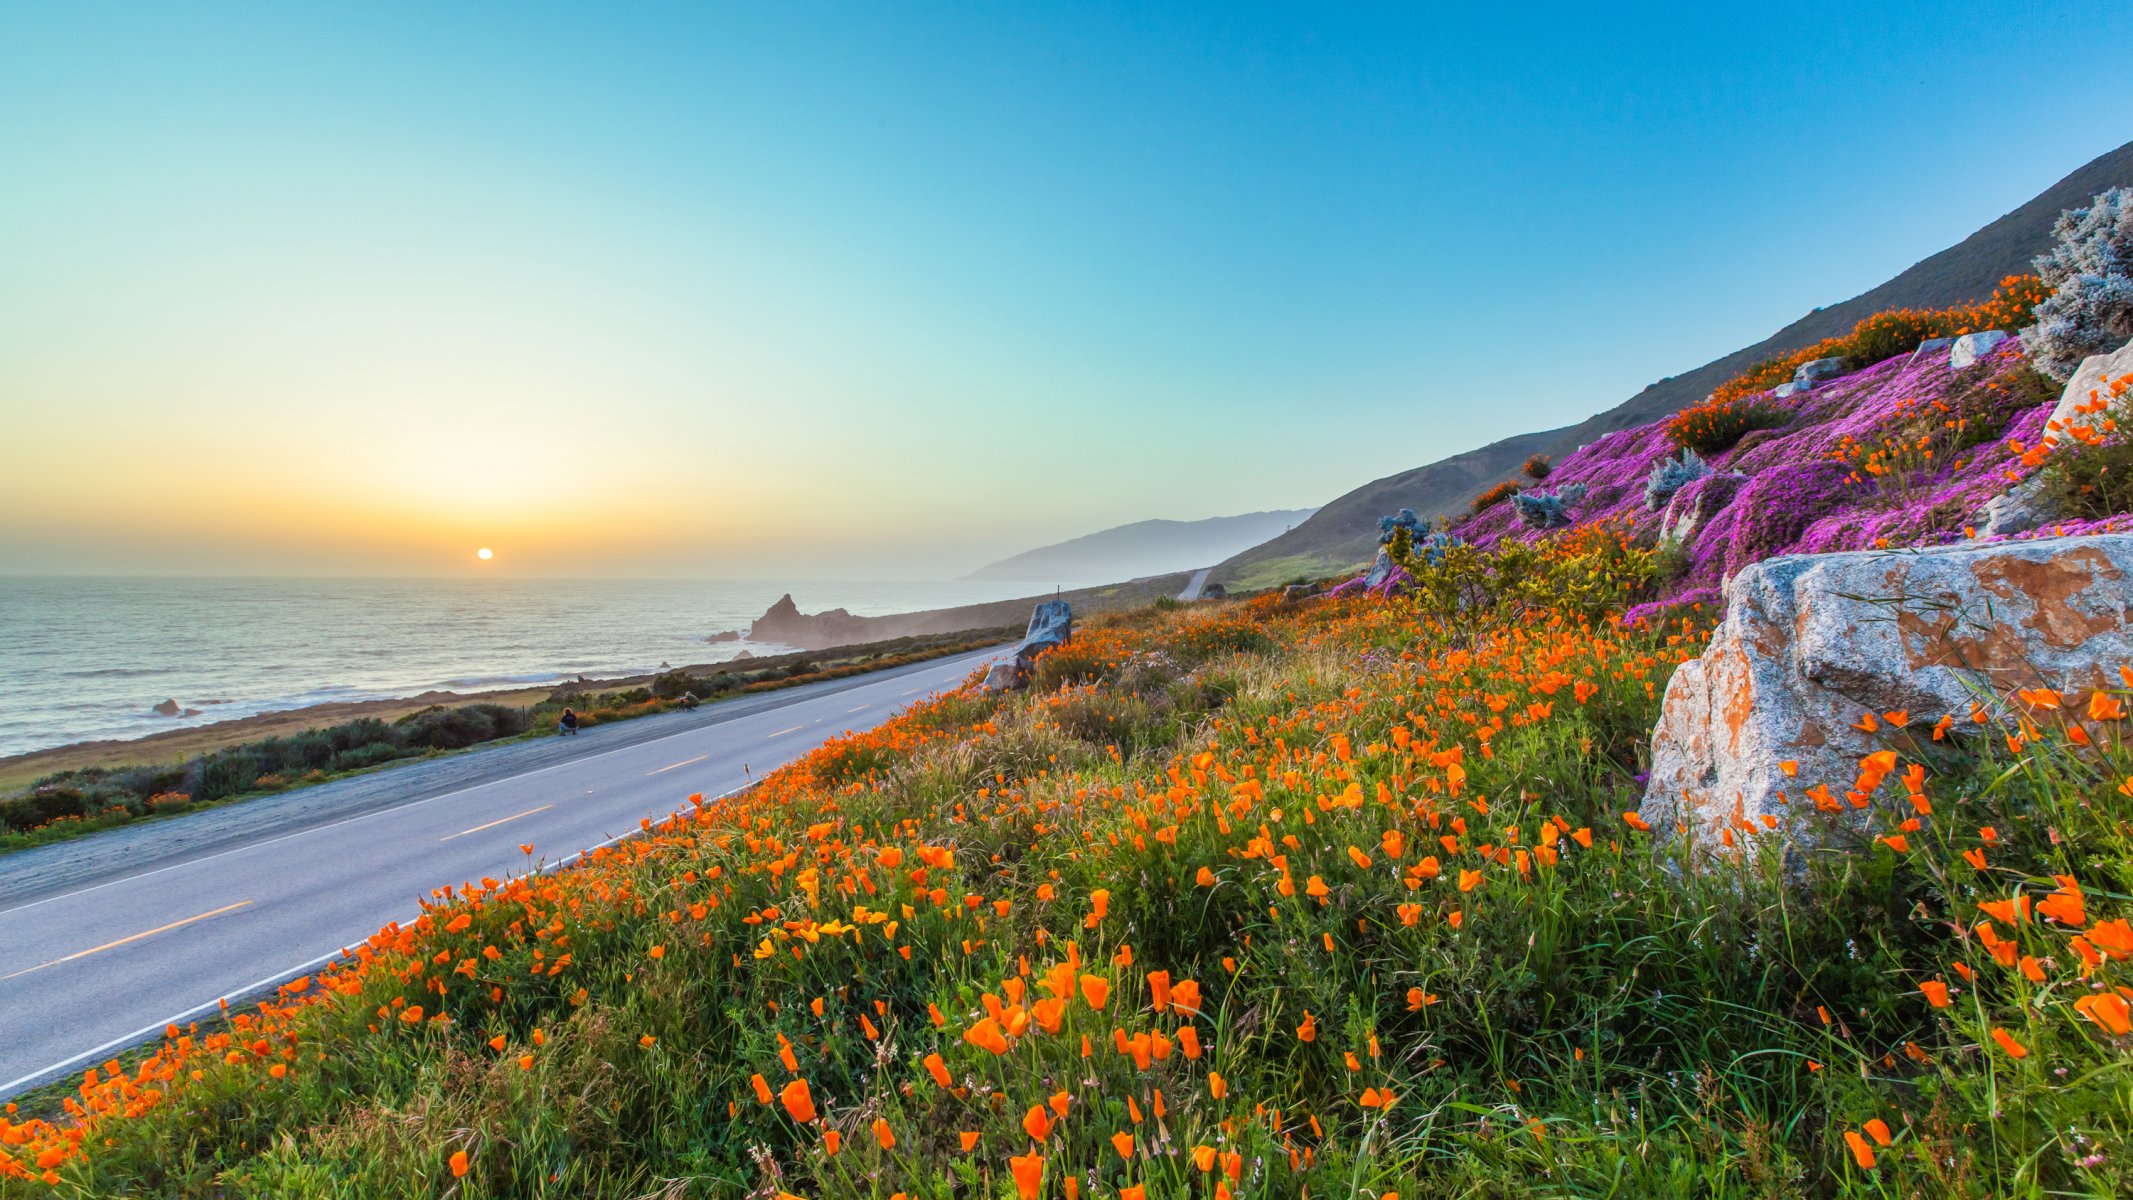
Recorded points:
(85,658)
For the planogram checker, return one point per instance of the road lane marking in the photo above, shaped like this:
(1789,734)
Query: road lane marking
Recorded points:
(675,766)
(124,940)
(493,824)
(914,691)
(861,708)
(783,732)
(297,833)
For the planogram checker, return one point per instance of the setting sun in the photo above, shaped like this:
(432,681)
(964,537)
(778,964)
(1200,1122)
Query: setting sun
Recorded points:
(485,554)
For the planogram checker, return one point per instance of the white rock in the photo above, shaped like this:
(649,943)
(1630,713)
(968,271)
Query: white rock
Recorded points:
(1783,390)
(2089,383)
(1930,348)
(1973,346)
(1811,643)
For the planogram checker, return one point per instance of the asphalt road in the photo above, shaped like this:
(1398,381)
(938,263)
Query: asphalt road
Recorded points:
(105,940)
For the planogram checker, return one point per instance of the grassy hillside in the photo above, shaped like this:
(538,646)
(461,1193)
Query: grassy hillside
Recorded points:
(1344,532)
(1241,900)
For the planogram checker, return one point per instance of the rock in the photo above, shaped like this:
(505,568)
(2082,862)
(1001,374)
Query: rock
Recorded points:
(1787,390)
(2019,509)
(1811,643)
(725,635)
(1695,503)
(1973,346)
(1930,348)
(2090,382)
(1380,569)
(1050,624)
(1298,591)
(786,625)
(1814,374)
(169,708)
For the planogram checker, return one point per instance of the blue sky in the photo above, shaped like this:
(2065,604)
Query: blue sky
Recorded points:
(825,289)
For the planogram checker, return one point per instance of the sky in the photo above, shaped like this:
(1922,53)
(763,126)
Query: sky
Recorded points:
(888,291)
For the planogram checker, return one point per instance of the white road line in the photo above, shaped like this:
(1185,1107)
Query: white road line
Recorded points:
(124,940)
(362,817)
(493,824)
(676,766)
(767,737)
(861,708)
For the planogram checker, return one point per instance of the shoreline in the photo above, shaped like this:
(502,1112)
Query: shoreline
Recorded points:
(19,771)
(831,633)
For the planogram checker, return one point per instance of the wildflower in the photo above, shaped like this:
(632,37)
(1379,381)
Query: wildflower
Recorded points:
(459,1164)
(1862,1153)
(934,1067)
(798,1101)
(1308,1031)
(2008,1043)
(1936,992)
(1028,1170)
(2108,1010)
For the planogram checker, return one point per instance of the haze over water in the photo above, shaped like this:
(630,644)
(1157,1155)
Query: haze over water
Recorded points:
(88,658)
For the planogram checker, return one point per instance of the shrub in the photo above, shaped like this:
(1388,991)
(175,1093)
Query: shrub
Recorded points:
(2089,270)
(1404,519)
(1887,334)
(1713,426)
(1670,476)
(1495,495)
(1537,467)
(1547,510)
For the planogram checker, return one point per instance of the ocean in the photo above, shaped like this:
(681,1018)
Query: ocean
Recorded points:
(86,658)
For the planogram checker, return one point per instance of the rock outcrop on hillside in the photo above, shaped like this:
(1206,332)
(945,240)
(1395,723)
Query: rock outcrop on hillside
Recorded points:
(1818,655)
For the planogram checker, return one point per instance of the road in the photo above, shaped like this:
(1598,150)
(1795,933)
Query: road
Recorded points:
(1198,582)
(98,950)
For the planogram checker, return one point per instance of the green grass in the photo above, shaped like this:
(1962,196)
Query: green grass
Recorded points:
(1634,1019)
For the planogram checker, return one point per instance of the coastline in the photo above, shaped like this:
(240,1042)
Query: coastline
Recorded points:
(19,771)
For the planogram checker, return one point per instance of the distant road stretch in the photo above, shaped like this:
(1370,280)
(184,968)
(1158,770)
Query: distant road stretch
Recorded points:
(1199,582)
(99,950)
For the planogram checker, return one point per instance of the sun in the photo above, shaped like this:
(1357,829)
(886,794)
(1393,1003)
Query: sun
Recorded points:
(485,554)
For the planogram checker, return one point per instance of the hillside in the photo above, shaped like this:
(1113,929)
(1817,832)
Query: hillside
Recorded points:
(1344,532)
(1143,548)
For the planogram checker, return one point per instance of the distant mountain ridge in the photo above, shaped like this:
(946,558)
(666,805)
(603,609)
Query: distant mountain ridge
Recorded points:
(1142,548)
(1344,532)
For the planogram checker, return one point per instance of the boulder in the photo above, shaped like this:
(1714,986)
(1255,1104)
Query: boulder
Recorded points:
(1380,569)
(1930,348)
(1695,503)
(1811,644)
(1786,390)
(1004,676)
(1050,624)
(2019,509)
(169,708)
(1815,373)
(2090,382)
(1973,346)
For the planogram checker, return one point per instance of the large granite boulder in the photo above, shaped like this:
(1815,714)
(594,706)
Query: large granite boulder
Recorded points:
(1929,349)
(1973,346)
(1813,644)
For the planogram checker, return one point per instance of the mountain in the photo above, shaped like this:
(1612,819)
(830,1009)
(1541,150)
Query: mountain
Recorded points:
(1344,532)
(1142,548)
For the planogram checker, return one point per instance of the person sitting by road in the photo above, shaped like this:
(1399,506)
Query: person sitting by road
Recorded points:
(688,701)
(569,723)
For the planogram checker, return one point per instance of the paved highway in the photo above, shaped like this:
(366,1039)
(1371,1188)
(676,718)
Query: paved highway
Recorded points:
(98,952)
